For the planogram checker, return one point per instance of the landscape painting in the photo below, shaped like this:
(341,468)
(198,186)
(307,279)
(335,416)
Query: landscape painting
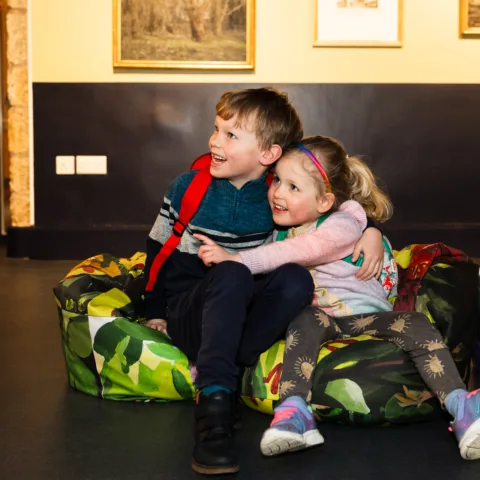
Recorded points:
(184,34)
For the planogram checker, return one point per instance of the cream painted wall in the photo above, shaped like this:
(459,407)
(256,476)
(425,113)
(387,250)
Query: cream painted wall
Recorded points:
(72,42)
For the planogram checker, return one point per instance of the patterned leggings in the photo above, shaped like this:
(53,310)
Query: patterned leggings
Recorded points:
(411,331)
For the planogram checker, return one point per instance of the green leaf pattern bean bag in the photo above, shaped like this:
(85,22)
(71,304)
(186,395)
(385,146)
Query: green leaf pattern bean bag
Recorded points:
(362,380)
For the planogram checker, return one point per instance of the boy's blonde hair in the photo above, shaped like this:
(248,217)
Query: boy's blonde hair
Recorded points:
(349,177)
(274,119)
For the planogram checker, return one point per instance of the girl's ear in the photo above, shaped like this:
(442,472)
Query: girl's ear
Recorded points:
(325,202)
(271,155)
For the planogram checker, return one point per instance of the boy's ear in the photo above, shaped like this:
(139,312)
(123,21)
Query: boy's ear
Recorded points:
(271,155)
(325,203)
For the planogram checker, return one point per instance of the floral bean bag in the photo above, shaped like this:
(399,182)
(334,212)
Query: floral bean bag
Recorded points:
(362,380)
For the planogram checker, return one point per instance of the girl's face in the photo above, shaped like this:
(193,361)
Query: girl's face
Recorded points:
(293,195)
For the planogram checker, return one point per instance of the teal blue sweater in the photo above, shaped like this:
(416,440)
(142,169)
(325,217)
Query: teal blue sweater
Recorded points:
(236,219)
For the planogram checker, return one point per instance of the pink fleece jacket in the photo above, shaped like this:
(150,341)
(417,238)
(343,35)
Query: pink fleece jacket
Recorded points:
(321,250)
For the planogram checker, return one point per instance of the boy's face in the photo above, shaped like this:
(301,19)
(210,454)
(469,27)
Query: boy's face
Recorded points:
(235,153)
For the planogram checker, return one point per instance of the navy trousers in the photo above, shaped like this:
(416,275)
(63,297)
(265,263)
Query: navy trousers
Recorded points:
(230,317)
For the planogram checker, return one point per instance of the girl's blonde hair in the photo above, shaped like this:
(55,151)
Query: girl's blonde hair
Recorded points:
(350,178)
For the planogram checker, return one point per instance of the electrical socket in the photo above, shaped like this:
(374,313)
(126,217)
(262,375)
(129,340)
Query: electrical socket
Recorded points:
(65,165)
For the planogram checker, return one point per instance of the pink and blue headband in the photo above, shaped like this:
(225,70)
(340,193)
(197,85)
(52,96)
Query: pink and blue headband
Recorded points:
(314,159)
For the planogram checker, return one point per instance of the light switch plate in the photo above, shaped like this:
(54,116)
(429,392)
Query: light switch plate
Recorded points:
(91,164)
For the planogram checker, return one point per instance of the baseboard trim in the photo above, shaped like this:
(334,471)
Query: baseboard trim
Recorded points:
(71,244)
(74,244)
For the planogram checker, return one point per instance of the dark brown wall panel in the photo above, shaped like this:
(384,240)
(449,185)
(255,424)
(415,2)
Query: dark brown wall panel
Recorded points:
(421,140)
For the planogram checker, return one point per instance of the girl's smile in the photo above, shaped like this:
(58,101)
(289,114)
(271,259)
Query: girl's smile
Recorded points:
(293,195)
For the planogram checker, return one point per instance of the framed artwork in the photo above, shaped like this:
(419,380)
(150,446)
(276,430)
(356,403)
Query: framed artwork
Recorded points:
(184,34)
(358,23)
(470,18)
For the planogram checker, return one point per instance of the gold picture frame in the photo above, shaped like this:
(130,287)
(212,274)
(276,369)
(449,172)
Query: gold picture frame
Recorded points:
(339,17)
(470,18)
(162,34)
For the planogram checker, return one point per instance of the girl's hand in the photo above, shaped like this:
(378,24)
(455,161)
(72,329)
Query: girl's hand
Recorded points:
(210,253)
(371,245)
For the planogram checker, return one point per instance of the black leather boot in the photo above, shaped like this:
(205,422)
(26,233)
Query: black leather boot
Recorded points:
(236,411)
(214,451)
(237,401)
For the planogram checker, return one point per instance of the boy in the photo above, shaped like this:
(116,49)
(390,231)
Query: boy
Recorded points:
(222,317)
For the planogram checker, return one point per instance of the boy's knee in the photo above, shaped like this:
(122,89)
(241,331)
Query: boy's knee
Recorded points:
(295,281)
(232,275)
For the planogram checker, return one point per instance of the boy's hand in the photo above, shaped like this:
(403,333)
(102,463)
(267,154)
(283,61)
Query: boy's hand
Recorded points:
(157,324)
(371,245)
(210,253)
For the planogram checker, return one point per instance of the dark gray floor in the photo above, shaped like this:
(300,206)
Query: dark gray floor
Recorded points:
(49,431)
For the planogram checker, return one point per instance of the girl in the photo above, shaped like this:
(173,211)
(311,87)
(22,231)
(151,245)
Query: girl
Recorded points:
(318,228)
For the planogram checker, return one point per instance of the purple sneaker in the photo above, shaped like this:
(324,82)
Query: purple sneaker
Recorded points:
(466,425)
(292,428)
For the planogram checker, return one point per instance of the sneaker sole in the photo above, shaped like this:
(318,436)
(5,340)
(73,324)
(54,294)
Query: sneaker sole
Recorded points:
(276,442)
(206,470)
(470,443)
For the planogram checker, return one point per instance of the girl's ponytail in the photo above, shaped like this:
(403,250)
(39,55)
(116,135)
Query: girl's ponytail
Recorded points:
(364,189)
(349,178)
